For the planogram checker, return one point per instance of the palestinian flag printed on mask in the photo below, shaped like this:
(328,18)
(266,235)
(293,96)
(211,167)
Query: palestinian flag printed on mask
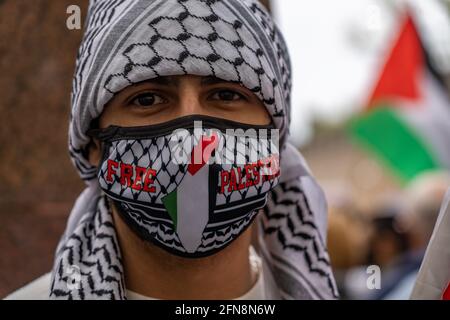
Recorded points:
(186,203)
(406,121)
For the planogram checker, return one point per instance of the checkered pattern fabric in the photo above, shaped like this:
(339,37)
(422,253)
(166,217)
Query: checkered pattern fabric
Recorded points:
(128,41)
(207,38)
(145,210)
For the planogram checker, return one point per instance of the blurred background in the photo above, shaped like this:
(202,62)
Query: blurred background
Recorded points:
(370,112)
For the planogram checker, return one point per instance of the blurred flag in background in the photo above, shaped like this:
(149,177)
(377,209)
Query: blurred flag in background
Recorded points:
(406,121)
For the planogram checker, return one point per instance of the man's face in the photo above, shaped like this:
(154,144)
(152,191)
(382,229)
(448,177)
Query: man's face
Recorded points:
(166,98)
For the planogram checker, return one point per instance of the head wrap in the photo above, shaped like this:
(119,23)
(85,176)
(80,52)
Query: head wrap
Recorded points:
(128,41)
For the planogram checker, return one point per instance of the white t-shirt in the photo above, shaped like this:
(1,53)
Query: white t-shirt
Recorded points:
(264,288)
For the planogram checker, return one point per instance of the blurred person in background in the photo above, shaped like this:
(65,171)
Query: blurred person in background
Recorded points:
(400,242)
(348,242)
(384,243)
(388,240)
(389,247)
(348,234)
(400,230)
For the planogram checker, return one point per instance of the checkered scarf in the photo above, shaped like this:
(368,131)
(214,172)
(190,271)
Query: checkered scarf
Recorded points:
(128,41)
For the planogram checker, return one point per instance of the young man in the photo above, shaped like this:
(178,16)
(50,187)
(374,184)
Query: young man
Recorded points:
(149,227)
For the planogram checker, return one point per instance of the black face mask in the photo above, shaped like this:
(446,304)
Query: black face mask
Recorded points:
(190,190)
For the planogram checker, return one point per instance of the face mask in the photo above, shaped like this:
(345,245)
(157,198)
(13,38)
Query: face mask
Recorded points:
(191,185)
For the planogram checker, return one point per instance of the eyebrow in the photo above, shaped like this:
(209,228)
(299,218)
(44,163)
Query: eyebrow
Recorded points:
(164,81)
(213,80)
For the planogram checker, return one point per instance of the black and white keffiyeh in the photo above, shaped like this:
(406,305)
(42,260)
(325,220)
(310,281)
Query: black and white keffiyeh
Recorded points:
(128,41)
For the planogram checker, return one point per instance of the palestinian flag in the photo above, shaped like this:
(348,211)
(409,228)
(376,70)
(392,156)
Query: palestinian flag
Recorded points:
(188,204)
(433,280)
(406,121)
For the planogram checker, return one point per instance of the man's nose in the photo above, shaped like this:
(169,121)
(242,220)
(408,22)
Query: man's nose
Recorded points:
(189,98)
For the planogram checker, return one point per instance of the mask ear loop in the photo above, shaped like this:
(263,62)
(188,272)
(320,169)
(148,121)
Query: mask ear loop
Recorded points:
(102,136)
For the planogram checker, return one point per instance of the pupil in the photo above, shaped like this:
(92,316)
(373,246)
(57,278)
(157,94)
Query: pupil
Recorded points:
(226,95)
(146,99)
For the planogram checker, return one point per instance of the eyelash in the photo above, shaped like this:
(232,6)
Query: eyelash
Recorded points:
(234,92)
(147,93)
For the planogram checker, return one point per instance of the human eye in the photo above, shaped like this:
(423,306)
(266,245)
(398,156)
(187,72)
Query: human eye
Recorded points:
(227,95)
(147,99)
